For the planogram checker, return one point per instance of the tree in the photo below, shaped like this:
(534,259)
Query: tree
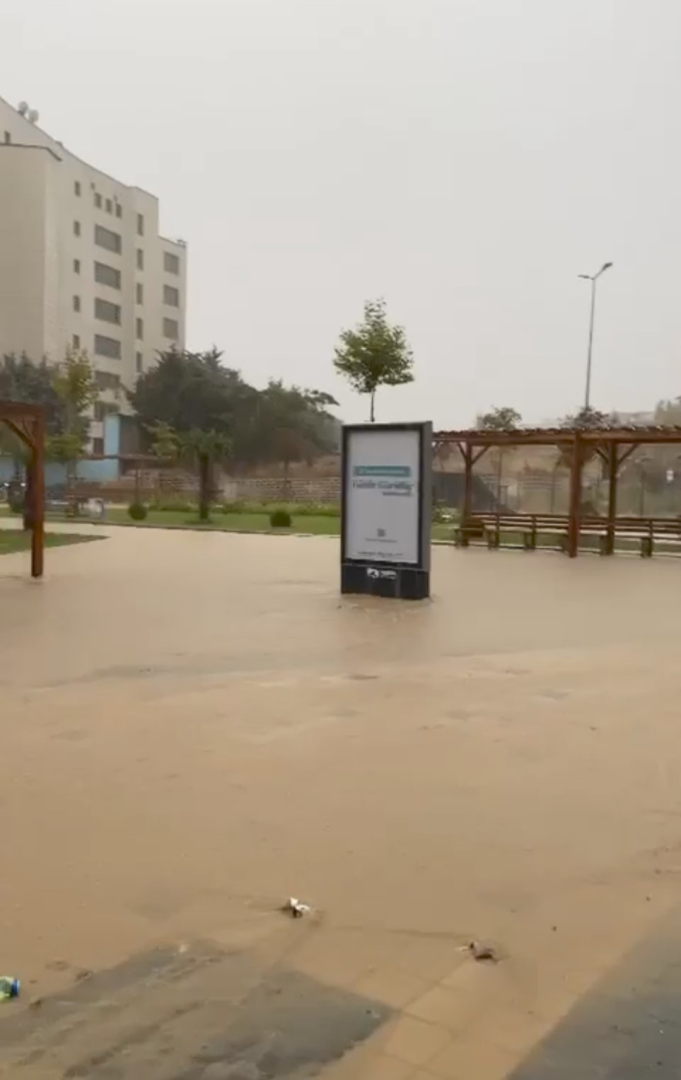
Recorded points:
(75,387)
(25,381)
(165,444)
(191,402)
(374,354)
(207,447)
(21,379)
(293,424)
(587,419)
(189,392)
(500,418)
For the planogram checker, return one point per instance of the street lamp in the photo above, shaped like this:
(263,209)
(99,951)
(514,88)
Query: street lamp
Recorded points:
(593,278)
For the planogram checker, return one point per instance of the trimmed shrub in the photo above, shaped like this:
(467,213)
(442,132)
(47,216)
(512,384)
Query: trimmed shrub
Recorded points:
(280,519)
(137,511)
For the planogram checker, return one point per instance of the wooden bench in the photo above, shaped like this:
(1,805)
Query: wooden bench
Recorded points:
(491,527)
(648,532)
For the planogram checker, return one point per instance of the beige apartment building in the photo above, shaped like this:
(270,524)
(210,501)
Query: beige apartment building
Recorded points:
(82,264)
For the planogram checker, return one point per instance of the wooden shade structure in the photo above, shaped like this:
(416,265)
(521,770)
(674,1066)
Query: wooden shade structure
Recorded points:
(613,446)
(28,423)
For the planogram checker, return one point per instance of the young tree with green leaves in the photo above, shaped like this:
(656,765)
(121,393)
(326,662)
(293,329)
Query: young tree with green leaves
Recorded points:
(75,386)
(165,444)
(374,354)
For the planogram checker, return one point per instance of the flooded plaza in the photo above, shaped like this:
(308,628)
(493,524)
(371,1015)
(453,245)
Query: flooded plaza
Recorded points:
(194,727)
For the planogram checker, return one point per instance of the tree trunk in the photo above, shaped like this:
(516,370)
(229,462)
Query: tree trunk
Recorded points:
(372,416)
(204,487)
(71,503)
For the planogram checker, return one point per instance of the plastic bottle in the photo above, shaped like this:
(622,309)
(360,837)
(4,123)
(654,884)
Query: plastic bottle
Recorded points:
(9,987)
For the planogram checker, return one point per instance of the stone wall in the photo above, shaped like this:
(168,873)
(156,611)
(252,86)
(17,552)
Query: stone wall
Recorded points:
(310,489)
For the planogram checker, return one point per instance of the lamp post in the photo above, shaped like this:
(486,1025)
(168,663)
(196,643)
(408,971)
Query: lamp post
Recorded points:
(593,278)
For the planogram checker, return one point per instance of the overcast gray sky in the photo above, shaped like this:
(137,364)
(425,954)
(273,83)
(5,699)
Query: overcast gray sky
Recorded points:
(465,159)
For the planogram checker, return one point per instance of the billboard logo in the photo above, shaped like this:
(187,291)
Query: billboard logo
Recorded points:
(372,572)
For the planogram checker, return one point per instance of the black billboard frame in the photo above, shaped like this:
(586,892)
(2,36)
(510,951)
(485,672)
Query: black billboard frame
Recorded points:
(399,581)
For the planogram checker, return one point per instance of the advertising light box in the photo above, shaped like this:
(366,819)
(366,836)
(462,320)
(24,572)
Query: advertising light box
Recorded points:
(386,504)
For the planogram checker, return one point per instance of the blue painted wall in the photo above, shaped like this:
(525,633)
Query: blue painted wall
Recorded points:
(87,470)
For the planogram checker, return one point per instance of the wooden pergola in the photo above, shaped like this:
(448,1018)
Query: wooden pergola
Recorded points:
(28,423)
(613,446)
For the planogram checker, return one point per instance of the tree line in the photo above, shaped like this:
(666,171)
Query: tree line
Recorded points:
(189,406)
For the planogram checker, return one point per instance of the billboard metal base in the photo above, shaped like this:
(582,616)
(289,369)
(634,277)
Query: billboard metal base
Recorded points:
(393,582)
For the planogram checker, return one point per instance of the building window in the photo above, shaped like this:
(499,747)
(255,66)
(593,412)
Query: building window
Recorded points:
(98,447)
(76,228)
(76,187)
(139,329)
(76,266)
(140,224)
(76,303)
(104,380)
(139,293)
(109,206)
(119,210)
(171,263)
(76,341)
(105,408)
(138,362)
(171,296)
(108,239)
(106,346)
(140,259)
(107,275)
(8,137)
(98,200)
(107,311)
(170,329)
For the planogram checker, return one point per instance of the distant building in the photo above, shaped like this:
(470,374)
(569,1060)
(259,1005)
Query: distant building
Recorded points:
(634,419)
(82,264)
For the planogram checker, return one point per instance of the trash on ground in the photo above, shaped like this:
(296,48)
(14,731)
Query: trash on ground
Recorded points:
(481,951)
(296,908)
(9,987)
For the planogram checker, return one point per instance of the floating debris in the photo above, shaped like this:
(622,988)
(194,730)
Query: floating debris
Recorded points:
(296,908)
(9,987)
(481,951)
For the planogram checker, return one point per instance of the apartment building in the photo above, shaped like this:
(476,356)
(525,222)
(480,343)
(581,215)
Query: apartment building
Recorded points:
(82,264)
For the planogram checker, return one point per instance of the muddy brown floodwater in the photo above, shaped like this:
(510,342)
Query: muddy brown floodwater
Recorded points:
(194,727)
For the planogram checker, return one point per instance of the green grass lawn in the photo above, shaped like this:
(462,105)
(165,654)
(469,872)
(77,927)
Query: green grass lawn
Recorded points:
(318,524)
(16,540)
(321,524)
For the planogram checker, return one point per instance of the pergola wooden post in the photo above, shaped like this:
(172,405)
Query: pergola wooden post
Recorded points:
(613,445)
(28,423)
(613,469)
(575,505)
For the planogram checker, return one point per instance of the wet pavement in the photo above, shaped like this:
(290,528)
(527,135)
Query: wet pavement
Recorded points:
(195,726)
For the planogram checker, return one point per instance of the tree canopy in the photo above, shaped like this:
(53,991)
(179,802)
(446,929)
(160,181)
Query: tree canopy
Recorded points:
(374,354)
(500,418)
(21,379)
(191,391)
(588,419)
